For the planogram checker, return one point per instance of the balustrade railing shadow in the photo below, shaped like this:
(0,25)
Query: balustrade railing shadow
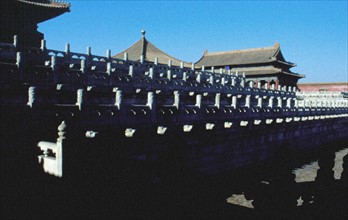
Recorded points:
(180,194)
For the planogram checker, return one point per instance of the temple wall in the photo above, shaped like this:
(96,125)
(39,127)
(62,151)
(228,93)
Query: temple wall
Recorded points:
(329,87)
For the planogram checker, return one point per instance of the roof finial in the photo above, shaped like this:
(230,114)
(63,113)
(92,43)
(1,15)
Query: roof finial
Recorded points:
(143,33)
(276,44)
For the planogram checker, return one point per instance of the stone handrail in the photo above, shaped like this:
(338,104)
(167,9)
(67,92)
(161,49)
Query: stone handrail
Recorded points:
(134,88)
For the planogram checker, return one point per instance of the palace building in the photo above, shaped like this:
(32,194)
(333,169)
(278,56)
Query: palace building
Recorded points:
(20,17)
(265,64)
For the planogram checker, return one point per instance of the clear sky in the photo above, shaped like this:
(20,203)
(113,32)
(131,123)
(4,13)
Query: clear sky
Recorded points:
(312,34)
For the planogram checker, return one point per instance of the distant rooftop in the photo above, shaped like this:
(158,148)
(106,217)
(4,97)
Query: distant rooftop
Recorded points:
(145,48)
(242,57)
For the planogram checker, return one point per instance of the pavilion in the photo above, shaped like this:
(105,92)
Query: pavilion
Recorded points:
(265,65)
(144,50)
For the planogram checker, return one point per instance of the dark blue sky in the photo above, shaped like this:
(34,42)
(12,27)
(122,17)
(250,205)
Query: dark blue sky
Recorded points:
(312,34)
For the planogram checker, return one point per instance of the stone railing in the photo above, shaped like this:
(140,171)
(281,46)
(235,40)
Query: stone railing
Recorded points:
(138,92)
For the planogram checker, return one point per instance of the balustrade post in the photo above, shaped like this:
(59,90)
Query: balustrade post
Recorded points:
(233,83)
(270,101)
(242,82)
(152,104)
(193,66)
(109,68)
(15,41)
(43,45)
(199,100)
(184,76)
(218,100)
(223,81)
(83,70)
(67,49)
(150,99)
(130,72)
(198,77)
(125,56)
(247,101)
(118,98)
(151,73)
(19,60)
(279,102)
(234,102)
(59,153)
(288,102)
(53,62)
(211,79)
(266,86)
(169,74)
(89,54)
(31,96)
(108,54)
(80,98)
(259,102)
(272,87)
(88,51)
(176,99)
(54,68)
(181,65)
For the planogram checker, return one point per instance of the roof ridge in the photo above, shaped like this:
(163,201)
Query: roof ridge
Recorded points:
(240,51)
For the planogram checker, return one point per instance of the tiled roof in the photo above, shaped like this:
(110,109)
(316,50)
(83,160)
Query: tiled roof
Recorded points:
(242,57)
(150,52)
